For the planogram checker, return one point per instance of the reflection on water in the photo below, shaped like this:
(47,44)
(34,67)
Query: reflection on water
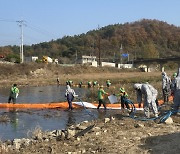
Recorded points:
(71,119)
(40,94)
(13,115)
(21,121)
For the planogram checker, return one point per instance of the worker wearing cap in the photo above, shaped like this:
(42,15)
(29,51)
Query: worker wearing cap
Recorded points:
(80,84)
(124,97)
(94,83)
(108,83)
(89,84)
(101,94)
(14,92)
(150,95)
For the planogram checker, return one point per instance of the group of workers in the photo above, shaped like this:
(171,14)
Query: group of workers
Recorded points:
(169,87)
(89,84)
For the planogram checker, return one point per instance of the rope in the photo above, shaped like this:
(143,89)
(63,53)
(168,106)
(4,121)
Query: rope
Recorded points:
(162,118)
(89,112)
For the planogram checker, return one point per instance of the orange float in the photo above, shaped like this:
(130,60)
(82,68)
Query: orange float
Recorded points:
(64,105)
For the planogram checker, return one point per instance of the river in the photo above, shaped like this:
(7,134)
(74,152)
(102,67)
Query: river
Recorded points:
(22,122)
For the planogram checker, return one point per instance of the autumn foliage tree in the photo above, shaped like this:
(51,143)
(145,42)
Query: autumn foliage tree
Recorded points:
(141,39)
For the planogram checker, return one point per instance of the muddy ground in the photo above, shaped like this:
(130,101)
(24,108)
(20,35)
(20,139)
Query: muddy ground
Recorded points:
(119,135)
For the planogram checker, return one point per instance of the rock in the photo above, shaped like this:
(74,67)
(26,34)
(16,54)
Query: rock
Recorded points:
(83,151)
(85,121)
(169,121)
(71,133)
(46,140)
(17,143)
(105,130)
(138,125)
(97,133)
(122,124)
(106,120)
(149,134)
(96,128)
(65,144)
(78,139)
(112,118)
(81,127)
(8,142)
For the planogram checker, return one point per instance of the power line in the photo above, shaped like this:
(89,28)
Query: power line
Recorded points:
(7,20)
(39,30)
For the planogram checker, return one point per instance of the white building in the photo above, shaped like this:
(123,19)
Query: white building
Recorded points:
(125,65)
(88,59)
(108,64)
(91,60)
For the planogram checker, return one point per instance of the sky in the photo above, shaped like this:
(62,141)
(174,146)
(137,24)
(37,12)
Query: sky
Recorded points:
(46,20)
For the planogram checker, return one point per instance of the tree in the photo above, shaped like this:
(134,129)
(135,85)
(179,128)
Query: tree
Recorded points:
(150,51)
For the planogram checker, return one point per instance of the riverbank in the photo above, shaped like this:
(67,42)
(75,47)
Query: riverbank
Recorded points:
(115,134)
(42,74)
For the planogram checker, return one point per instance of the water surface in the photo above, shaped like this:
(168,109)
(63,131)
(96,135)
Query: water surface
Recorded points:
(23,121)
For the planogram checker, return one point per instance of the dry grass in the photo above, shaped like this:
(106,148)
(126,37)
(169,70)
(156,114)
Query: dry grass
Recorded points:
(41,74)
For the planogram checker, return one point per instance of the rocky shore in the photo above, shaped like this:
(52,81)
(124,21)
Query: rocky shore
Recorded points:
(115,134)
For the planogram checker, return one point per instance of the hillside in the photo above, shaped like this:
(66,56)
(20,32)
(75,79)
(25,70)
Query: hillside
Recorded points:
(141,39)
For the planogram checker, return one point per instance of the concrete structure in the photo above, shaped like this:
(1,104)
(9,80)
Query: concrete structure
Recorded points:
(160,61)
(30,59)
(125,65)
(108,64)
(144,68)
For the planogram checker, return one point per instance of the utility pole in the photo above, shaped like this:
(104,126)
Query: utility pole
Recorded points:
(21,24)
(99,47)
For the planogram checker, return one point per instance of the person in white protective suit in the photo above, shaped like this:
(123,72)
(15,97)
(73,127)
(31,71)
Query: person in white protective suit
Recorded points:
(150,95)
(70,94)
(177,92)
(166,87)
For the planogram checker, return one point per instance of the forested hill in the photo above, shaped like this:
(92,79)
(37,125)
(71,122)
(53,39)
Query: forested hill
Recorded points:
(141,39)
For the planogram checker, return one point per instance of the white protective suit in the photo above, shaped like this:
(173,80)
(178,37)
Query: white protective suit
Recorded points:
(177,92)
(150,95)
(166,86)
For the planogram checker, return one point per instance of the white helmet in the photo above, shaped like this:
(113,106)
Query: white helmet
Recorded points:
(137,86)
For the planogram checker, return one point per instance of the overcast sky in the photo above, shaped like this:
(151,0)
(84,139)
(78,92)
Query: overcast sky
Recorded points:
(45,20)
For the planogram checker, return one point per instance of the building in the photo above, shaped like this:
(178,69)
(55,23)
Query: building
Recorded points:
(90,60)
